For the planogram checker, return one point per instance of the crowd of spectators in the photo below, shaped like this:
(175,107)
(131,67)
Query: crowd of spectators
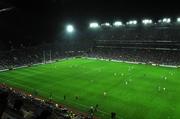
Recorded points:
(164,57)
(18,58)
(29,56)
(158,44)
(143,33)
(19,105)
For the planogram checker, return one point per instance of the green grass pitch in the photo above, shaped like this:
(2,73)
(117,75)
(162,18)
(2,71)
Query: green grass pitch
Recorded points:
(133,91)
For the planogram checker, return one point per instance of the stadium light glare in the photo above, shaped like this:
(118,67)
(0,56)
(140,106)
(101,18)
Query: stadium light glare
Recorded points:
(118,23)
(147,21)
(166,20)
(178,19)
(159,21)
(94,25)
(132,22)
(69,28)
(106,24)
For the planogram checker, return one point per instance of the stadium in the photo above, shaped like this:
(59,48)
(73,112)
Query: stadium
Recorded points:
(120,69)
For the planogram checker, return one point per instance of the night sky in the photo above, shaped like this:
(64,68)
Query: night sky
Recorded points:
(33,22)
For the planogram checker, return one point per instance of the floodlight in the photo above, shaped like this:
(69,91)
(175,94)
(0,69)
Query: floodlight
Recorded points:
(118,23)
(94,25)
(69,28)
(132,22)
(178,19)
(166,20)
(147,21)
(106,24)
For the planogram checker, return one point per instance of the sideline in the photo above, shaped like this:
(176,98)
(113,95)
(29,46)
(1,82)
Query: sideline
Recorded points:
(47,62)
(129,62)
(103,59)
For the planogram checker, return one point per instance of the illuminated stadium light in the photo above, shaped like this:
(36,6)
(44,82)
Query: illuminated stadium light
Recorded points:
(132,22)
(178,19)
(106,24)
(70,28)
(118,23)
(147,21)
(94,25)
(159,21)
(166,20)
